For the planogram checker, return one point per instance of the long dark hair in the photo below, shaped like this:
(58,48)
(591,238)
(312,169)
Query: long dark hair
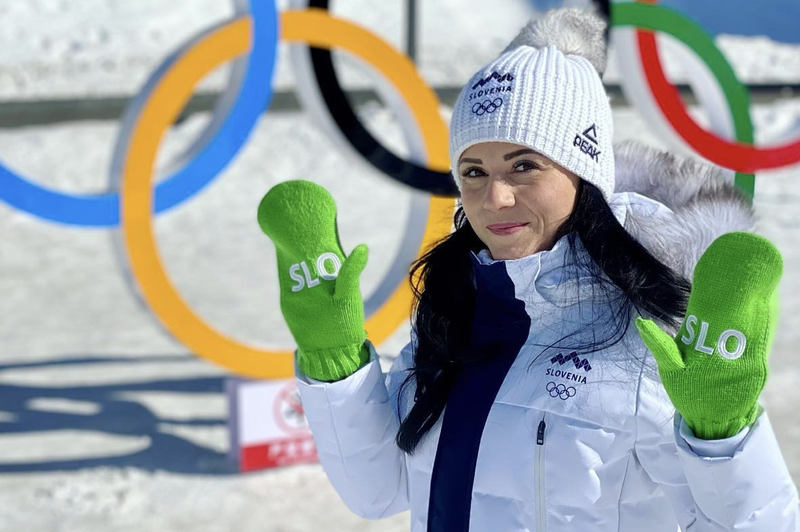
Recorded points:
(445,299)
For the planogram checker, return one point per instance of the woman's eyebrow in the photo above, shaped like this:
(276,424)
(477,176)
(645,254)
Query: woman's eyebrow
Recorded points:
(517,153)
(468,160)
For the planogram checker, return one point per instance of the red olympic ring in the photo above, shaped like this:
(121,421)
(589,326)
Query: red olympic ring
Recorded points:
(734,155)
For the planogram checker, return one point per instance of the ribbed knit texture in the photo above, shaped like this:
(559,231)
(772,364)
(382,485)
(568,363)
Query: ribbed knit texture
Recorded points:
(543,99)
(734,288)
(325,316)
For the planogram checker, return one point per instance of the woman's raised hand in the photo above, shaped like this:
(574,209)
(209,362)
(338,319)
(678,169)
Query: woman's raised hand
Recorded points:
(319,288)
(715,368)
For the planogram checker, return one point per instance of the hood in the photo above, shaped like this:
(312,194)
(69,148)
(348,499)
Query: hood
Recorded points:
(702,199)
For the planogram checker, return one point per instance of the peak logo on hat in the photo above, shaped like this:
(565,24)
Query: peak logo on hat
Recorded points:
(591,133)
(588,142)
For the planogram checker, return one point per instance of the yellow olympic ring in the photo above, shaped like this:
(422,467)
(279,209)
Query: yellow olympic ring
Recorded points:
(317,28)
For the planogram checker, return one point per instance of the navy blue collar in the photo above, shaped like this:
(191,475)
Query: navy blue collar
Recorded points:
(544,268)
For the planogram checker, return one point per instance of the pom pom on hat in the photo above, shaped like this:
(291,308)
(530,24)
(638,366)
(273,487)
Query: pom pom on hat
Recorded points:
(571,31)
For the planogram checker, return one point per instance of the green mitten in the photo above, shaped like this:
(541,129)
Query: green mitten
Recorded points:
(320,295)
(715,368)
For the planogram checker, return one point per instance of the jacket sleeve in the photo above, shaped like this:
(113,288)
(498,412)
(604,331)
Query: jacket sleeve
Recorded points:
(745,486)
(354,422)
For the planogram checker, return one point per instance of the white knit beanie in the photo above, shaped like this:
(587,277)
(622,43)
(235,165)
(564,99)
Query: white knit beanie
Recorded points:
(544,92)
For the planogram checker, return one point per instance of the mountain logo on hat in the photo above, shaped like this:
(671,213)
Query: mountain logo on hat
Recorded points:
(494,75)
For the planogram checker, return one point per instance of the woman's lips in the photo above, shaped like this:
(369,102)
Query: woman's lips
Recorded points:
(505,228)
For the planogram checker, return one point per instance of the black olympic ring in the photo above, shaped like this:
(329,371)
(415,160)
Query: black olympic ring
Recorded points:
(406,172)
(559,390)
(486,106)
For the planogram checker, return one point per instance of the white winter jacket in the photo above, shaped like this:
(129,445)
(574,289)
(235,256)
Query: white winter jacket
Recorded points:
(547,439)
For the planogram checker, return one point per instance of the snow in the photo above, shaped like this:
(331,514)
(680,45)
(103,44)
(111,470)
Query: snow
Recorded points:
(120,43)
(121,428)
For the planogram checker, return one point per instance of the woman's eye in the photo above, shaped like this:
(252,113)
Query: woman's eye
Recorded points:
(473,172)
(525,166)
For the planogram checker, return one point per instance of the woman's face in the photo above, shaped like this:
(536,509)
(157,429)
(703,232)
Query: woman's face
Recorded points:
(514,198)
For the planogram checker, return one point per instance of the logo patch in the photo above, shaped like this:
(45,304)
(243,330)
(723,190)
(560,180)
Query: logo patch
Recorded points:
(501,82)
(560,391)
(494,75)
(587,142)
(328,266)
(722,342)
(569,374)
(481,108)
(591,133)
(580,363)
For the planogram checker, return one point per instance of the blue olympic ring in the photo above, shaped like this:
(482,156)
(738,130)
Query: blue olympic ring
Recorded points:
(104,210)
(481,108)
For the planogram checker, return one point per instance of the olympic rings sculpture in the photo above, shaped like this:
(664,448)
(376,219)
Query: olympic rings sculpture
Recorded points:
(250,40)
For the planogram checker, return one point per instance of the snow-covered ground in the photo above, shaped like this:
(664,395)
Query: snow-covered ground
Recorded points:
(106,422)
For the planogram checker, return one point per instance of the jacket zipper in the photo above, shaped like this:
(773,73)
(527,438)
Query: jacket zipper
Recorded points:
(541,521)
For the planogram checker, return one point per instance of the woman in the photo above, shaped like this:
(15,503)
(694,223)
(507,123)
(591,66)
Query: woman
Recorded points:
(526,400)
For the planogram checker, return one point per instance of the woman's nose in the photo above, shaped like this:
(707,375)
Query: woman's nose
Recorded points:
(499,195)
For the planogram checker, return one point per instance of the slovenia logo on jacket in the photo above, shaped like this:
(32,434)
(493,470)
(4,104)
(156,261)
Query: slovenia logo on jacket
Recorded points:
(578,374)
(580,363)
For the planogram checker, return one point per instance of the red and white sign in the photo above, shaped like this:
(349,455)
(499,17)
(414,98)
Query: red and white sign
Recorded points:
(267,424)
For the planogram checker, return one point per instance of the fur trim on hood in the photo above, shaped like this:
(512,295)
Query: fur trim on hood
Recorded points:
(705,203)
